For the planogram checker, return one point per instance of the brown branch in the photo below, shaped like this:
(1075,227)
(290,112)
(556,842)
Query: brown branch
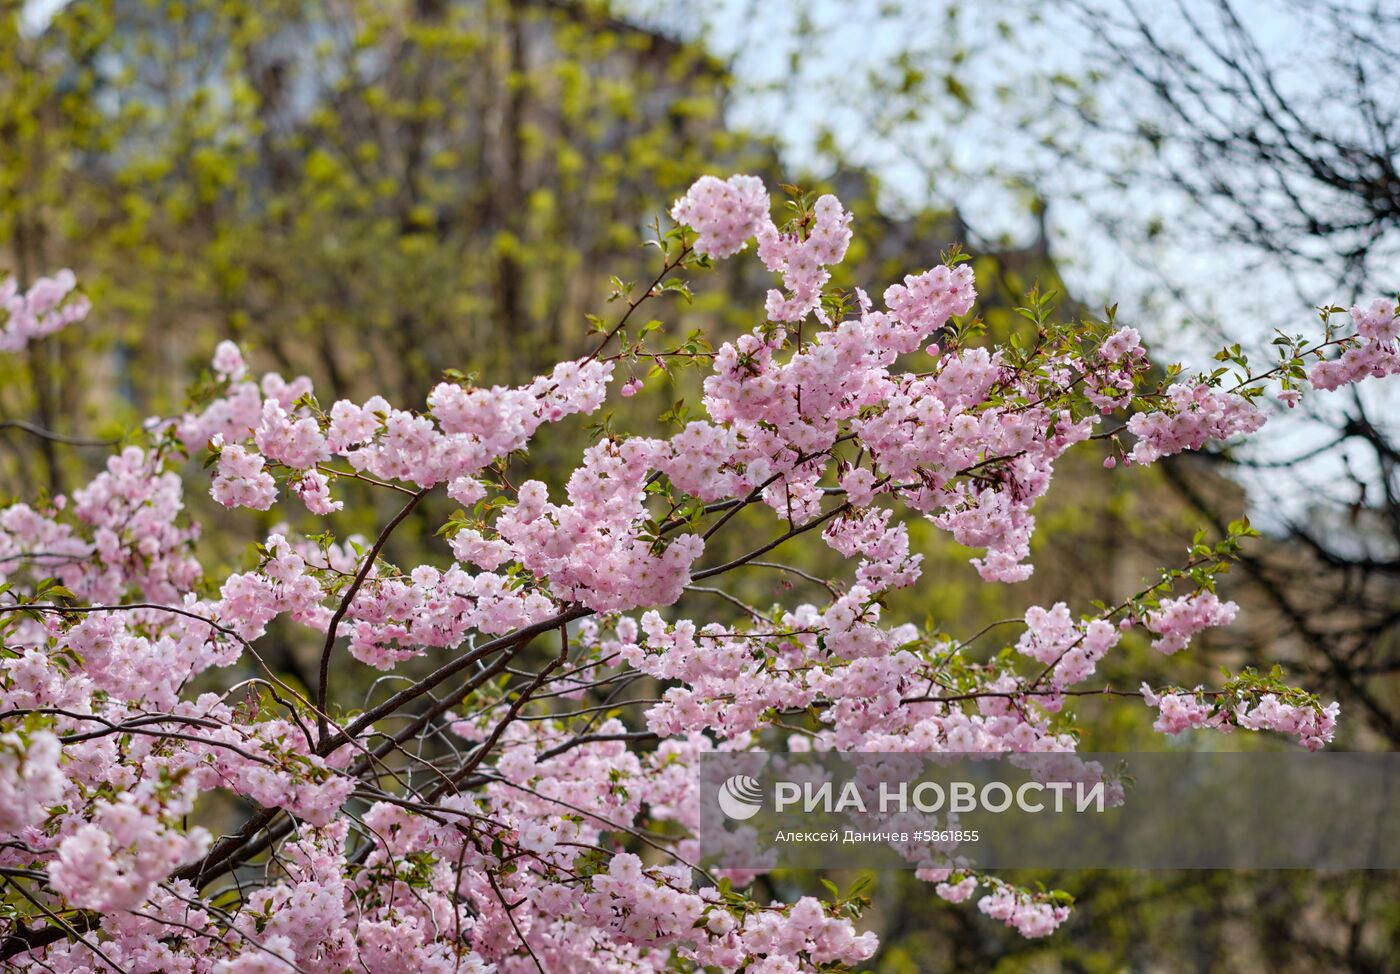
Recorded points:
(322,688)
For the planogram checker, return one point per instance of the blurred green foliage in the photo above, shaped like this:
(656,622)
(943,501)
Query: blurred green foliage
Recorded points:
(363,191)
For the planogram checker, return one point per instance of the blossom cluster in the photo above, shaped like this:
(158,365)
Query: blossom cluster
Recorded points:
(1313,725)
(1375,355)
(1054,638)
(30,781)
(48,306)
(504,805)
(256,426)
(1197,414)
(725,213)
(113,862)
(1175,621)
(1030,917)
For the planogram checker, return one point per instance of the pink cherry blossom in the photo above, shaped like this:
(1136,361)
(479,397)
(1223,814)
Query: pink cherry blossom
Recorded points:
(47,307)
(464,815)
(1176,620)
(724,213)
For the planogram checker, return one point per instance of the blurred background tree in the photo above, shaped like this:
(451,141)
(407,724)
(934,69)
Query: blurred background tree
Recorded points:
(371,191)
(355,188)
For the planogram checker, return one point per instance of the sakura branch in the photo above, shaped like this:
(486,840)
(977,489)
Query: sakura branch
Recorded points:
(520,793)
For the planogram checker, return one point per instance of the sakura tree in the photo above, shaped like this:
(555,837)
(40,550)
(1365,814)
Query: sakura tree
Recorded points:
(486,812)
